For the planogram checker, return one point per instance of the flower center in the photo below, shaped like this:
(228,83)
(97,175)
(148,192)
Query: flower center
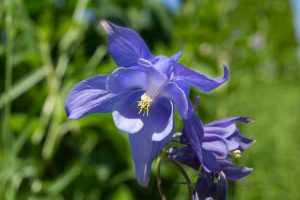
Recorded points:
(144,104)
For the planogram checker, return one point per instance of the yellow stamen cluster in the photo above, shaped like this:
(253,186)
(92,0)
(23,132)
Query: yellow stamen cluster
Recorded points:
(236,154)
(144,104)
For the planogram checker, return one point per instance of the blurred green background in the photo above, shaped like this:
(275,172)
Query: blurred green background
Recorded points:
(48,46)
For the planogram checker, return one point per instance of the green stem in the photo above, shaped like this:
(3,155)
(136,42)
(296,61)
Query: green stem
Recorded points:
(158,179)
(185,175)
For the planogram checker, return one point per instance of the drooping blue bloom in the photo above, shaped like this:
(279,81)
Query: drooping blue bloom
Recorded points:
(210,186)
(140,94)
(211,146)
(221,140)
(214,185)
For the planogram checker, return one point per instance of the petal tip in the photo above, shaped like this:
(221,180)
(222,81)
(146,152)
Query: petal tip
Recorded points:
(72,116)
(250,120)
(69,114)
(107,27)
(245,120)
(144,184)
(247,170)
(177,56)
(226,72)
(142,174)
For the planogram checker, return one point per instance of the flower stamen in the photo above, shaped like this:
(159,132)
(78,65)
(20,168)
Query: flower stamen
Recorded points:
(236,154)
(144,104)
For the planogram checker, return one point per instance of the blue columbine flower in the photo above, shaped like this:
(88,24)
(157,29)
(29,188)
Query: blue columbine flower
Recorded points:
(210,186)
(213,186)
(211,146)
(140,94)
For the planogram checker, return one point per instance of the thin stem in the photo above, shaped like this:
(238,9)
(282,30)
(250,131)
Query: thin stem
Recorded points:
(185,175)
(158,179)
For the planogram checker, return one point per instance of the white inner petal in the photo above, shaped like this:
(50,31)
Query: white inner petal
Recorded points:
(158,136)
(128,125)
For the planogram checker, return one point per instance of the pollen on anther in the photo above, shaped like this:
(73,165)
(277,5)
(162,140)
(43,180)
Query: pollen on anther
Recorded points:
(144,104)
(236,154)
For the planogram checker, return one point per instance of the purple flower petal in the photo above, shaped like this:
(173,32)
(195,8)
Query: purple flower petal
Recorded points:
(177,56)
(216,145)
(123,79)
(164,64)
(209,162)
(160,134)
(125,45)
(186,155)
(198,80)
(233,172)
(244,142)
(145,63)
(143,144)
(230,144)
(183,86)
(134,78)
(193,129)
(178,96)
(224,132)
(227,129)
(209,187)
(90,96)
(228,121)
